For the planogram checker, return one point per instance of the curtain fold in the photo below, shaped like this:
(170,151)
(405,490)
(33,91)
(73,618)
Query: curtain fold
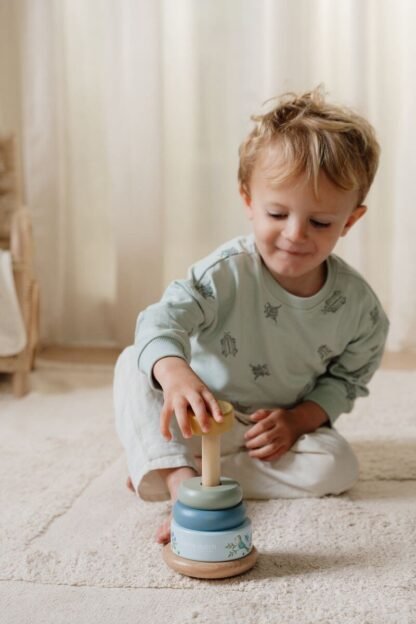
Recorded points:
(402,276)
(132,114)
(92,144)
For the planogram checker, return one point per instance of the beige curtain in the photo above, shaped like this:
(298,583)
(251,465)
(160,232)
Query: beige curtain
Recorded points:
(130,113)
(91,140)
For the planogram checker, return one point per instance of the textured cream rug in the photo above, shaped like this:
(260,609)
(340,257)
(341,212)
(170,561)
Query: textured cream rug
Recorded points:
(67,520)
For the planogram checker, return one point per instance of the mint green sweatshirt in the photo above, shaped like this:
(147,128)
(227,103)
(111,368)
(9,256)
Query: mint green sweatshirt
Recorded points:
(258,346)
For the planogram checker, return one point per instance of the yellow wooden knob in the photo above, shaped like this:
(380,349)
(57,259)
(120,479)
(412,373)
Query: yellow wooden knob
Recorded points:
(215,427)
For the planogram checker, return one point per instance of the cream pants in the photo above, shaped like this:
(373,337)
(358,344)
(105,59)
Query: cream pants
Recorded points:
(319,463)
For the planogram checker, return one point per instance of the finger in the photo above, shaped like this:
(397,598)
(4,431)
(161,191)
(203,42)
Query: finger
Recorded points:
(199,408)
(263,439)
(182,417)
(212,403)
(165,416)
(259,415)
(267,452)
(264,425)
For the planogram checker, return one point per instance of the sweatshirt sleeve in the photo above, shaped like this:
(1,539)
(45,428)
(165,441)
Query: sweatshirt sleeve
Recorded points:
(165,328)
(348,375)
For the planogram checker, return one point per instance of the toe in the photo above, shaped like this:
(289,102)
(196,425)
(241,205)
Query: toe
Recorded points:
(129,484)
(163,533)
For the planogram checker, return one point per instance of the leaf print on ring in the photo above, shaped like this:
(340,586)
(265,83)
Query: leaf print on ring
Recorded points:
(239,544)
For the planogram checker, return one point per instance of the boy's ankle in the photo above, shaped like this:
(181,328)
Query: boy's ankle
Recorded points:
(173,477)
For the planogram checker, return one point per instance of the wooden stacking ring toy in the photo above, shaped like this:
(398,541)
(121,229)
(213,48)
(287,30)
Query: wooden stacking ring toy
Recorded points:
(211,536)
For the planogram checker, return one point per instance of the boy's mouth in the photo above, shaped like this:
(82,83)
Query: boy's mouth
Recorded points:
(293,252)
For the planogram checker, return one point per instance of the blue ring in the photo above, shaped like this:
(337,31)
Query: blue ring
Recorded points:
(208,519)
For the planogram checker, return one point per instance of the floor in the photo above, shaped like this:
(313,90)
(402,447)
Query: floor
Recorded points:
(30,602)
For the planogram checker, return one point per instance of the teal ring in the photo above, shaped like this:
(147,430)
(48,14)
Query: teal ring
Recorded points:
(193,494)
(208,519)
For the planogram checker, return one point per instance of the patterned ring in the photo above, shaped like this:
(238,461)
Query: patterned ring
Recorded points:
(211,545)
(193,494)
(208,519)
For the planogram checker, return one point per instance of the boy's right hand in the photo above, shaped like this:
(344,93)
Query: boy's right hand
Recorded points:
(183,389)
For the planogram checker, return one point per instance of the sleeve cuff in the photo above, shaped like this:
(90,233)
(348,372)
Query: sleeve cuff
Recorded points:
(329,402)
(154,351)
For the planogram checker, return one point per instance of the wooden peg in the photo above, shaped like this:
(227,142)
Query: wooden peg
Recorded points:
(211,444)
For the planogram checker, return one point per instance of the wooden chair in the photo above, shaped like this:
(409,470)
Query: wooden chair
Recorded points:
(16,236)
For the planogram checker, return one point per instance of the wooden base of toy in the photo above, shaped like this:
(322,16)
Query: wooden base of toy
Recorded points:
(208,570)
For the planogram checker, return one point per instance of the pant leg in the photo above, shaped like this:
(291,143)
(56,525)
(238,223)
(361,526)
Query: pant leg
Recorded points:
(320,463)
(137,411)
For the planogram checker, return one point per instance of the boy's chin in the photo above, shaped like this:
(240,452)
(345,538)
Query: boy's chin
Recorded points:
(294,270)
(299,282)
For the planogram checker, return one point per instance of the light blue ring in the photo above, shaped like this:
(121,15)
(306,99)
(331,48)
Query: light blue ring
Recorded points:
(208,519)
(211,545)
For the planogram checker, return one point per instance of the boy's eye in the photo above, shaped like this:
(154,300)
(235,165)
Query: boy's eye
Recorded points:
(277,215)
(319,224)
(314,222)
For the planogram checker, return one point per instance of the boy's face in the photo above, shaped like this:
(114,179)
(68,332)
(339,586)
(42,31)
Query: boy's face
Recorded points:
(294,231)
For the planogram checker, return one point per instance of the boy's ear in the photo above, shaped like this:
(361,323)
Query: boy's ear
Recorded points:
(356,214)
(247,202)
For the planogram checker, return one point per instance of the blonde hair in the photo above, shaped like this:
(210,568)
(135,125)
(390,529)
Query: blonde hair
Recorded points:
(312,136)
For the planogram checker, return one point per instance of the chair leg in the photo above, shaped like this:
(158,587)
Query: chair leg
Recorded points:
(20,384)
(34,325)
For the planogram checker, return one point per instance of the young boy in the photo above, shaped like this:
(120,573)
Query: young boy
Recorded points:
(273,323)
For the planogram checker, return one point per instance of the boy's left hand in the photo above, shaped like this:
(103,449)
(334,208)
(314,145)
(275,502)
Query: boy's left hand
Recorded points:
(272,435)
(276,430)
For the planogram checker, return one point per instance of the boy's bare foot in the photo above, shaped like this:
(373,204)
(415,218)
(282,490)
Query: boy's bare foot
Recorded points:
(163,532)
(173,478)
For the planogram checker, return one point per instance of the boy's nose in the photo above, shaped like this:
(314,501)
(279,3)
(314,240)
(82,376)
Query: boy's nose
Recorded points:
(295,230)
